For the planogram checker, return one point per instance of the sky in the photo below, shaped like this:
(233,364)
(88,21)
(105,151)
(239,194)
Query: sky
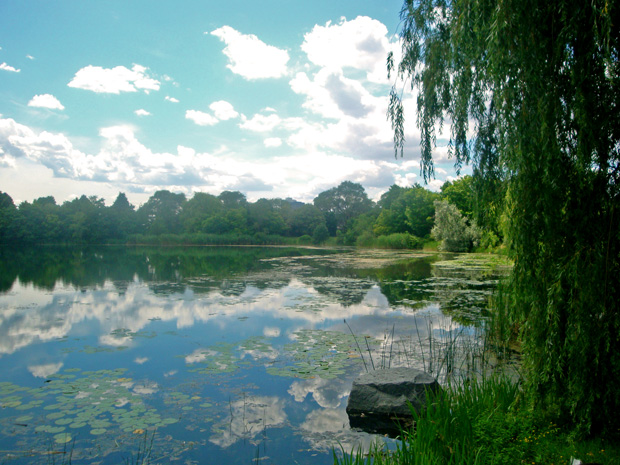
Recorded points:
(274,99)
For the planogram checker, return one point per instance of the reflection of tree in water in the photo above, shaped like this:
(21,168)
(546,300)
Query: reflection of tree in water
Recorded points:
(404,283)
(461,292)
(464,293)
(94,266)
(90,267)
(344,290)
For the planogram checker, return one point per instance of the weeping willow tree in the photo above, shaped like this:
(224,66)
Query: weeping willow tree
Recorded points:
(530,90)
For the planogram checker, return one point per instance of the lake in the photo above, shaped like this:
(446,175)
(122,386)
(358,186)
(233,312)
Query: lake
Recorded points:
(233,355)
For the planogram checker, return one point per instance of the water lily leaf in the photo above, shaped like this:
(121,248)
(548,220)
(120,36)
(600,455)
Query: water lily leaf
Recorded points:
(62,438)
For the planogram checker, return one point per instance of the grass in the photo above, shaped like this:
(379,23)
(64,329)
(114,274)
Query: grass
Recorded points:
(483,422)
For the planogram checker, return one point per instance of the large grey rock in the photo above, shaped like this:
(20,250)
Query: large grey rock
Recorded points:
(379,400)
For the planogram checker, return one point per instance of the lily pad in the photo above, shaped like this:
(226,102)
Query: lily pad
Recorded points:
(62,438)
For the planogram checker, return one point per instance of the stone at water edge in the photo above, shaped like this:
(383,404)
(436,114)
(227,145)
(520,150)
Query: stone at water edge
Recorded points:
(379,400)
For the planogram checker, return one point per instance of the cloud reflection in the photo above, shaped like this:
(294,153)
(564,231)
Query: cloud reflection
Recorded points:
(248,417)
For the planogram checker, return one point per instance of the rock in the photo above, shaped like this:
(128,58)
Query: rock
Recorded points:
(379,400)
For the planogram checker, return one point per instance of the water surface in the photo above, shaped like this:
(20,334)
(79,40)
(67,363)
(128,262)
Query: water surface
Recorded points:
(211,354)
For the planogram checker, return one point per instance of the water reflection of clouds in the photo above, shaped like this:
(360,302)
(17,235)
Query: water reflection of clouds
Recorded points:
(328,429)
(45,370)
(248,417)
(138,305)
(328,393)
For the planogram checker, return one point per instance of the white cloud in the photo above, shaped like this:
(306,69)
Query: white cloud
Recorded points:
(46,101)
(272,142)
(6,67)
(114,80)
(124,163)
(250,57)
(223,110)
(361,43)
(142,112)
(171,99)
(30,57)
(201,118)
(262,123)
(332,95)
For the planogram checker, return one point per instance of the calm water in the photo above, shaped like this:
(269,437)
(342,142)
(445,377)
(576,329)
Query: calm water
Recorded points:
(209,355)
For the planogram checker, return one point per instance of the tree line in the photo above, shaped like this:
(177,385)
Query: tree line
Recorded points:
(404,217)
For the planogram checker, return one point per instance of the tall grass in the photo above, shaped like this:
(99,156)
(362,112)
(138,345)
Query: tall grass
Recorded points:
(482,421)
(448,430)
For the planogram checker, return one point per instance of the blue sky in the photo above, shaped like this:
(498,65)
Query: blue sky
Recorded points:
(275,98)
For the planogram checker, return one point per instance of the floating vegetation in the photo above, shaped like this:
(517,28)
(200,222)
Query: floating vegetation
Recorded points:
(320,354)
(124,333)
(478,262)
(217,359)
(96,401)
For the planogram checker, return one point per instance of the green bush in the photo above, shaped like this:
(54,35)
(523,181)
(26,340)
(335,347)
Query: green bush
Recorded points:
(398,241)
(304,240)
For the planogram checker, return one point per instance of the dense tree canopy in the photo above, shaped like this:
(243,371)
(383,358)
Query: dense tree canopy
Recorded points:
(402,217)
(343,203)
(538,84)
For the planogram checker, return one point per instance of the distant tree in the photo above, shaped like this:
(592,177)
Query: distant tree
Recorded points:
(160,214)
(389,198)
(233,221)
(460,193)
(452,229)
(8,219)
(420,210)
(320,235)
(305,220)
(85,219)
(343,203)
(361,227)
(122,218)
(233,199)
(199,209)
(392,220)
(264,217)
(40,222)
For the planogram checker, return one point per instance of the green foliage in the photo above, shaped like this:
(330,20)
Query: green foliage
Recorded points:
(406,210)
(343,203)
(160,214)
(305,220)
(398,241)
(198,209)
(320,234)
(360,226)
(460,193)
(265,216)
(420,210)
(539,84)
(452,230)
